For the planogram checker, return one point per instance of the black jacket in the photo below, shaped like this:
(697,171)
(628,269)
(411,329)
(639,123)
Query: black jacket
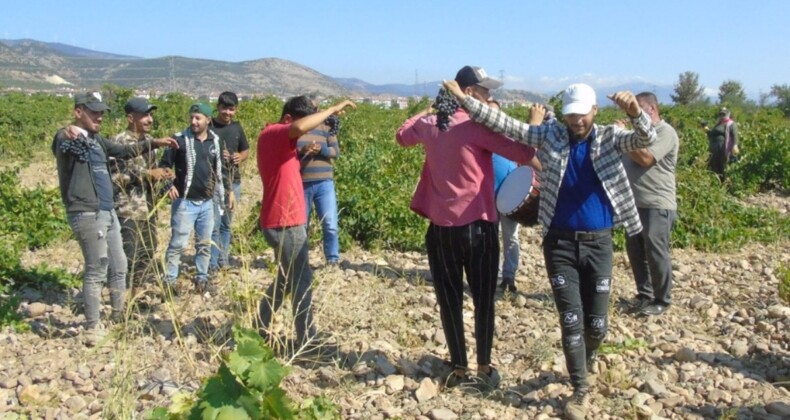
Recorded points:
(77,186)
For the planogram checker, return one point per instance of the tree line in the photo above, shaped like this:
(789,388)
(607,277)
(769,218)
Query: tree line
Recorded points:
(688,91)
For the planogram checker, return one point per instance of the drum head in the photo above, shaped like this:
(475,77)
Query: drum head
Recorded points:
(514,189)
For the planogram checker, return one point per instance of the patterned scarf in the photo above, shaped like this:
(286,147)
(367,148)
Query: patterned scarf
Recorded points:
(189,142)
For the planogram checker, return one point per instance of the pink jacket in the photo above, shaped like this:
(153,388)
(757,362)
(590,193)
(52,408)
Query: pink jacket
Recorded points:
(456,186)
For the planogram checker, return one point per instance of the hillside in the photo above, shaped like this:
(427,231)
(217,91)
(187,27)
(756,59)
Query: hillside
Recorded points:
(30,64)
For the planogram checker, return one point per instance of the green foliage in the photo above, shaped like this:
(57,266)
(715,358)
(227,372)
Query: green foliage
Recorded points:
(9,314)
(731,94)
(710,216)
(29,122)
(318,408)
(36,214)
(375,179)
(246,386)
(783,274)
(782,95)
(687,89)
(29,219)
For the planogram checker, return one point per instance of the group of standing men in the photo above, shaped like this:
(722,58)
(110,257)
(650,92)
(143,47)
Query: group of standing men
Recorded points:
(109,188)
(204,180)
(588,173)
(594,178)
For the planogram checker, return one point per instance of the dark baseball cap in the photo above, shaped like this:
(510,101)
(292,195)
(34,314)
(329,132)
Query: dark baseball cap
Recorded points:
(138,104)
(471,75)
(91,100)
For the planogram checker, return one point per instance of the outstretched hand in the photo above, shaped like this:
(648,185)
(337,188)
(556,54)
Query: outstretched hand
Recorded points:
(627,102)
(340,108)
(453,87)
(166,142)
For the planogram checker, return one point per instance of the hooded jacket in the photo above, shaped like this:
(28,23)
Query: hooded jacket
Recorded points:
(77,184)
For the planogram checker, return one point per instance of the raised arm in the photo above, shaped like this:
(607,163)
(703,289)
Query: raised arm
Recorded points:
(495,119)
(643,134)
(307,123)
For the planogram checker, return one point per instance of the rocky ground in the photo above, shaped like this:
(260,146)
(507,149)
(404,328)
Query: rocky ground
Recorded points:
(722,351)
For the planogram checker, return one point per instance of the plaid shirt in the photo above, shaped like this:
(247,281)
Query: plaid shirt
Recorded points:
(553,140)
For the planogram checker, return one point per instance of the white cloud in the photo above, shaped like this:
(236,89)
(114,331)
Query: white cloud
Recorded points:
(553,84)
(711,92)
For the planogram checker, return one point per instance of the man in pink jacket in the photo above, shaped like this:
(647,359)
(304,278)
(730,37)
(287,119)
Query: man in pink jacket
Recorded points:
(456,193)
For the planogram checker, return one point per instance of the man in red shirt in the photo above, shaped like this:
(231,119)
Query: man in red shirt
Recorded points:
(456,193)
(283,216)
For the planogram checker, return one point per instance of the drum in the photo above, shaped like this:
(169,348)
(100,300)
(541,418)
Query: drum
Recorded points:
(518,196)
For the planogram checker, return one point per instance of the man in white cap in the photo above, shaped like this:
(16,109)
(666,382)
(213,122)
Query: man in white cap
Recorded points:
(584,194)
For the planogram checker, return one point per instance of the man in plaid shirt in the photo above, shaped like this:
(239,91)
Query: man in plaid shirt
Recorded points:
(584,194)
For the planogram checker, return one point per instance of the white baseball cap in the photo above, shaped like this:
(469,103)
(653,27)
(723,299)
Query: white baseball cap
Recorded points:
(578,98)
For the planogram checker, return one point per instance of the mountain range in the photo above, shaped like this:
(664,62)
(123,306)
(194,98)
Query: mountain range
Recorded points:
(35,65)
(50,66)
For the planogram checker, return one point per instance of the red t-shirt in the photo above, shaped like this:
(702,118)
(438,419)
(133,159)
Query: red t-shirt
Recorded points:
(283,202)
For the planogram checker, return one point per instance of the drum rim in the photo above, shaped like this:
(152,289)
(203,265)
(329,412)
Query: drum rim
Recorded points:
(526,196)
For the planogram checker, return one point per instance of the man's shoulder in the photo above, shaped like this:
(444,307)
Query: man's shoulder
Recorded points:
(665,131)
(128,137)
(275,130)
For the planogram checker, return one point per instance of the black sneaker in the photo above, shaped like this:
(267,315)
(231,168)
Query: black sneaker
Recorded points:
(454,380)
(487,382)
(639,303)
(577,404)
(654,309)
(509,285)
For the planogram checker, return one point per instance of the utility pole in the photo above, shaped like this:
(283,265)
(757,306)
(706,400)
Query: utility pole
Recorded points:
(416,83)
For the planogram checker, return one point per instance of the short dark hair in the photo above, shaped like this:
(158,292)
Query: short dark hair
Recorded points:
(228,99)
(298,107)
(648,97)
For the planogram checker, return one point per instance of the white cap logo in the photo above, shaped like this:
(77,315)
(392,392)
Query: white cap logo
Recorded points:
(96,95)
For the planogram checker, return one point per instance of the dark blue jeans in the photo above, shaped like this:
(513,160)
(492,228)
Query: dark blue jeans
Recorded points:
(322,194)
(472,249)
(580,272)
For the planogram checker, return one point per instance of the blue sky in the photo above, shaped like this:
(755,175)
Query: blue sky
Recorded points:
(539,46)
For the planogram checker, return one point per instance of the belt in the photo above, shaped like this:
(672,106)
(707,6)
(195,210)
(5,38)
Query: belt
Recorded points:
(579,235)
